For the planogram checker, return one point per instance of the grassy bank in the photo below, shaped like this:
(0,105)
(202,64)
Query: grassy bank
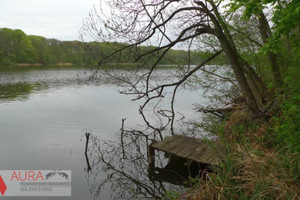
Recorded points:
(262,159)
(257,167)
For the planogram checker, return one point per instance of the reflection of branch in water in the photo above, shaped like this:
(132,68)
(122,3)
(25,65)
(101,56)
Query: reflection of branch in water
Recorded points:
(127,176)
(122,135)
(87,135)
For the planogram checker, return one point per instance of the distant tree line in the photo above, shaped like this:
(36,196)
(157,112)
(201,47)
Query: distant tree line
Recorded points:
(17,47)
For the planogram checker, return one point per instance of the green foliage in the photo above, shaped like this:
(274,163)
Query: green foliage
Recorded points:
(287,125)
(286,15)
(263,155)
(286,18)
(284,41)
(17,47)
(171,195)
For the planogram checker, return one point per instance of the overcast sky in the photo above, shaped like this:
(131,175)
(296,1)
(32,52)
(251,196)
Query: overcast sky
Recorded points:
(60,19)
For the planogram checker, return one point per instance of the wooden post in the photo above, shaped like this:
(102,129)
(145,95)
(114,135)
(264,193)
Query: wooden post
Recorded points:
(89,168)
(151,156)
(151,160)
(122,141)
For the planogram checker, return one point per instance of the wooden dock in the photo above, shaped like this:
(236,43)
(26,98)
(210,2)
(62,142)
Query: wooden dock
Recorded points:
(203,152)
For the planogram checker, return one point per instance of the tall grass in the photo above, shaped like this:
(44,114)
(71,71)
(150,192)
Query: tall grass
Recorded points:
(255,167)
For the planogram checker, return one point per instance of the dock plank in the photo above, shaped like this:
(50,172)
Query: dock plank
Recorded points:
(190,148)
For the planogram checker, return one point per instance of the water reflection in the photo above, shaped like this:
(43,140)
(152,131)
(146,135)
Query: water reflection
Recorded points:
(48,110)
(19,84)
(14,91)
(128,172)
(179,171)
(19,91)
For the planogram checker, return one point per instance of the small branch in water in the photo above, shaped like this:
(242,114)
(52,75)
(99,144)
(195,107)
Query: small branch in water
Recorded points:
(122,135)
(89,168)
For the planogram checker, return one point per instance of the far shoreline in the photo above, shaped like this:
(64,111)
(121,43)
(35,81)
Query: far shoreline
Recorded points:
(40,64)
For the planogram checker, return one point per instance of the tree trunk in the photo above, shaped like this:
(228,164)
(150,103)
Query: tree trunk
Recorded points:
(258,95)
(255,76)
(255,83)
(239,73)
(225,39)
(265,32)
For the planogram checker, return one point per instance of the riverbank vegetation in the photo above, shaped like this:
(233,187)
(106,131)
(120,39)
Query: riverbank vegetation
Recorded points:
(17,48)
(256,109)
(262,159)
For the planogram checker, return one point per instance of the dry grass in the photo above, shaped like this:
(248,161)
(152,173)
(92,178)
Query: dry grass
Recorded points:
(251,171)
(238,117)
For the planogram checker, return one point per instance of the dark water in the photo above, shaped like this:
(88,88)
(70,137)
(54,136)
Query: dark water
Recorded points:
(45,113)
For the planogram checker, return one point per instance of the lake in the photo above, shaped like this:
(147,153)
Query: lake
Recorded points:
(46,112)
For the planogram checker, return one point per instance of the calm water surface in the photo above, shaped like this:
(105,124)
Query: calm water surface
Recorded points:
(45,113)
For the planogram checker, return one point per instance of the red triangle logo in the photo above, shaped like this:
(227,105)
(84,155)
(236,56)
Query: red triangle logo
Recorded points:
(3,187)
